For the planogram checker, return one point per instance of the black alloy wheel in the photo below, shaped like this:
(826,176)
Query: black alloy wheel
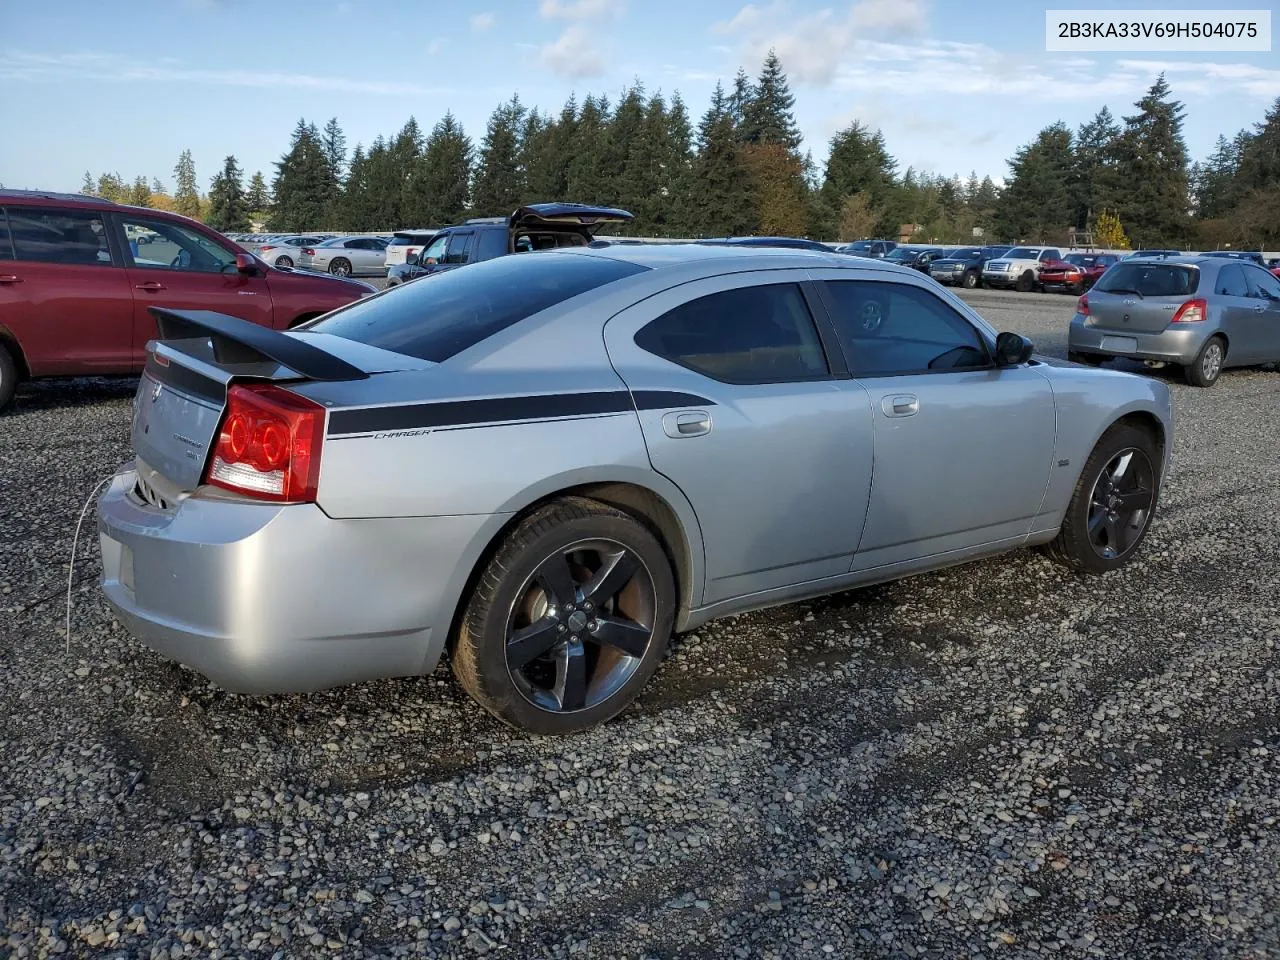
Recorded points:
(581,626)
(1120,505)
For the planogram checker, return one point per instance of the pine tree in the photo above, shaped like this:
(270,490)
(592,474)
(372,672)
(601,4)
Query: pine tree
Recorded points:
(1095,180)
(767,116)
(984,203)
(743,94)
(585,179)
(302,188)
(498,189)
(627,154)
(858,162)
(87,186)
(1260,153)
(352,213)
(228,209)
(1036,203)
(186,195)
(156,185)
(720,186)
(1153,156)
(335,150)
(441,182)
(1216,183)
(258,197)
(538,165)
(1108,234)
(140,193)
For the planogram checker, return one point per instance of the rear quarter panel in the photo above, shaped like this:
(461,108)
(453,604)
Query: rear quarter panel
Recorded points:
(1088,402)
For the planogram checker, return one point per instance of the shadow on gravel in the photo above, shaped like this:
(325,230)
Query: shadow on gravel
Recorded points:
(39,396)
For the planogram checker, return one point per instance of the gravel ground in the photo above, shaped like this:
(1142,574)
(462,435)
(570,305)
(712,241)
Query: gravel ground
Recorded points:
(997,760)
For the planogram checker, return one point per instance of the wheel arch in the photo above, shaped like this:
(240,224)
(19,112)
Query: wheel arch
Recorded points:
(646,496)
(303,318)
(10,343)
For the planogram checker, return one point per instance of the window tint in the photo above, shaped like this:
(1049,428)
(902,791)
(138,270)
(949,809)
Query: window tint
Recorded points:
(1051,254)
(459,247)
(490,244)
(56,236)
(6,245)
(158,244)
(456,309)
(1231,282)
(1150,279)
(1262,284)
(893,328)
(1023,253)
(761,334)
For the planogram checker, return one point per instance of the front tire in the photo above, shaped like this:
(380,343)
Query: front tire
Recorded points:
(8,377)
(1025,283)
(1205,369)
(1113,503)
(340,267)
(568,621)
(970,280)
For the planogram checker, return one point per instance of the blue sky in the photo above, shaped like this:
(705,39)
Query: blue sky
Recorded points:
(954,85)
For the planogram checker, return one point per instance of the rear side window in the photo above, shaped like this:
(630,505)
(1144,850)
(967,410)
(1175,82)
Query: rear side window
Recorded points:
(890,329)
(762,334)
(444,314)
(459,247)
(1150,279)
(491,243)
(1231,282)
(57,236)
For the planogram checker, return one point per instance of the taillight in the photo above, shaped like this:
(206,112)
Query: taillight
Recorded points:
(1193,311)
(267,246)
(268,444)
(1082,305)
(308,251)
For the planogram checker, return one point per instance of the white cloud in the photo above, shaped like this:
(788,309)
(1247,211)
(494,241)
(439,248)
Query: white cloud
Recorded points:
(575,54)
(481,22)
(1260,82)
(109,68)
(908,16)
(580,9)
(434,47)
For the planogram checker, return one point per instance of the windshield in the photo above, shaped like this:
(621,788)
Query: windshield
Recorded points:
(1023,253)
(967,254)
(904,253)
(994,251)
(861,246)
(437,316)
(1150,279)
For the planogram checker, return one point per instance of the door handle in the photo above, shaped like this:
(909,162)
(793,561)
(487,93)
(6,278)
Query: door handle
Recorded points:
(902,405)
(686,423)
(150,285)
(9,278)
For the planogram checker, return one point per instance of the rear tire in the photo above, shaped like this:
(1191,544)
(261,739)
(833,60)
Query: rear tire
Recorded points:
(970,280)
(548,571)
(1092,540)
(8,377)
(284,262)
(1089,359)
(340,267)
(1025,283)
(1207,366)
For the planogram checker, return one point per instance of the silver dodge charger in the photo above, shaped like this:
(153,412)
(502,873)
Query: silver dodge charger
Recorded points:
(542,465)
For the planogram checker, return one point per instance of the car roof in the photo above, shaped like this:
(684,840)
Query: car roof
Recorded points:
(657,256)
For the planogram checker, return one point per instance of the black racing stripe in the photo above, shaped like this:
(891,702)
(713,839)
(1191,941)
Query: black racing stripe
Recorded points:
(188,381)
(662,399)
(454,413)
(461,413)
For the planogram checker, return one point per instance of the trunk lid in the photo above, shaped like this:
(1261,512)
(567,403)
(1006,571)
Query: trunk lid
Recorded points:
(189,368)
(1141,297)
(580,215)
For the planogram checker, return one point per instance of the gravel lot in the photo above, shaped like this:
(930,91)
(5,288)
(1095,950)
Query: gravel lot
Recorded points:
(998,760)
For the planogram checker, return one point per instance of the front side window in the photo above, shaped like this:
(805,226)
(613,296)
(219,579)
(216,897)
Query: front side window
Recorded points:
(761,334)
(1262,285)
(435,252)
(1051,255)
(157,244)
(890,329)
(59,236)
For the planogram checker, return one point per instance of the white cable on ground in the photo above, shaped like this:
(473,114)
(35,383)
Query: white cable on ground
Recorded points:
(71,572)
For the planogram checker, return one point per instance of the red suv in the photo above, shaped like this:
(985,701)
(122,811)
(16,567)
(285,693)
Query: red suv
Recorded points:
(78,273)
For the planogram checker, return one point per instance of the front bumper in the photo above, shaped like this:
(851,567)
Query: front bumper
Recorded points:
(998,279)
(280,598)
(1172,345)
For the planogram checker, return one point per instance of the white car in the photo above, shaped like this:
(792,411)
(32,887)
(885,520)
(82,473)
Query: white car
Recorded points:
(407,243)
(347,257)
(1019,268)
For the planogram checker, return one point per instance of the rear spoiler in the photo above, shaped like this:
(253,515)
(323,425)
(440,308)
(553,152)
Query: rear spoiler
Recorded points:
(239,341)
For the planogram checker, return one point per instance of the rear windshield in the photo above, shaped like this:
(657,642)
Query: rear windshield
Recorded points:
(1150,279)
(410,239)
(440,315)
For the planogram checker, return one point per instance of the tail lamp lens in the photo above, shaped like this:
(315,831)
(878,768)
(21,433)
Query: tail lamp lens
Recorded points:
(1193,311)
(268,445)
(1082,305)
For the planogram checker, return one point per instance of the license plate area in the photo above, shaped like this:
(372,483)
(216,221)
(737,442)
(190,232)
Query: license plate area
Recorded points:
(1120,344)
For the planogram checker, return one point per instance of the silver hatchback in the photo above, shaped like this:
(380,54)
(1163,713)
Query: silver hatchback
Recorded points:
(1202,313)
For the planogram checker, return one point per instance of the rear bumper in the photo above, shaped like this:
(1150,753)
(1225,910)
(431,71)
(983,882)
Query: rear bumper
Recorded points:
(266,598)
(1171,346)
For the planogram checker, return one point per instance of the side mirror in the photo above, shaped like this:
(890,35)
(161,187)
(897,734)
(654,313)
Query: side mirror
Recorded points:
(1013,349)
(246,264)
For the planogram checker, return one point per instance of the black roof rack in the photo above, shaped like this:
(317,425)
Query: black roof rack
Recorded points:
(51,195)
